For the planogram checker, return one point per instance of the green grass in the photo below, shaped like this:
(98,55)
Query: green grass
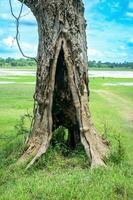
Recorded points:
(58,177)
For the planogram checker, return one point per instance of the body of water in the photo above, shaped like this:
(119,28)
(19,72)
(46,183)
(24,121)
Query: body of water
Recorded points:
(111,74)
(13,72)
(129,84)
(95,73)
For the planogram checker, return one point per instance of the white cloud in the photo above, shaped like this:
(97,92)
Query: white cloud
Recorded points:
(5,16)
(9,41)
(1,32)
(122,47)
(129,14)
(94,52)
(28,47)
(131,40)
(116,4)
(28,16)
(112,55)
(124,54)
(130,5)
(90,4)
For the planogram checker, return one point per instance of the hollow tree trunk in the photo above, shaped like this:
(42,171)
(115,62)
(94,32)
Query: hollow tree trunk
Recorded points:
(62,79)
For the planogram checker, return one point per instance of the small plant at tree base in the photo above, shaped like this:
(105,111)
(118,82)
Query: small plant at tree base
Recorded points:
(60,139)
(21,128)
(117,156)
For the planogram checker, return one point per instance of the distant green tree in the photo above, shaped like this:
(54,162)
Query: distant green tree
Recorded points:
(22,62)
(99,64)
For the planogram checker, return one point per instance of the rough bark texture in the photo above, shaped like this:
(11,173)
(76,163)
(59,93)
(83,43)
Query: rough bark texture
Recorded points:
(62,79)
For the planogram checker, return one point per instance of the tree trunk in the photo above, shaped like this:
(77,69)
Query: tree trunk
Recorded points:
(62,79)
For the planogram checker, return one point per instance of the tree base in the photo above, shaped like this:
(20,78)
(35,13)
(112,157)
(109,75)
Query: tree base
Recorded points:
(67,105)
(98,149)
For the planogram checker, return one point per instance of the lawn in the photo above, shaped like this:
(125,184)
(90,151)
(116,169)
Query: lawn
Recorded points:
(59,177)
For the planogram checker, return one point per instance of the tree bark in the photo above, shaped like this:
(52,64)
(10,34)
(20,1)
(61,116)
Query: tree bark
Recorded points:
(62,80)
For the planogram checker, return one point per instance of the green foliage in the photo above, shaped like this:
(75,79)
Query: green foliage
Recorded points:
(118,154)
(60,136)
(99,65)
(60,139)
(22,62)
(7,62)
(21,128)
(15,142)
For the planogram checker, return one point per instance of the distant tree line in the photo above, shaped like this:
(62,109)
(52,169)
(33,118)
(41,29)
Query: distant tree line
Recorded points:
(99,64)
(12,62)
(22,62)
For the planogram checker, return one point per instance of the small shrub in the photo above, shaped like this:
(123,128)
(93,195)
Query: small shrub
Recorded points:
(120,190)
(60,136)
(60,139)
(21,128)
(117,156)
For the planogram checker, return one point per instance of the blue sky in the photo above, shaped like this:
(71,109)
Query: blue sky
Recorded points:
(109,30)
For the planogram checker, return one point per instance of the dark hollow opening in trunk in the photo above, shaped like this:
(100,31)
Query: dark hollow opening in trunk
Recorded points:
(63,111)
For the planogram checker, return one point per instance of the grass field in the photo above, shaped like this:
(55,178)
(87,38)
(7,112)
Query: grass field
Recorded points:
(56,177)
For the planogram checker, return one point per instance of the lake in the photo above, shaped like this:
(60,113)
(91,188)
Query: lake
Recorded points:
(92,73)
(111,74)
